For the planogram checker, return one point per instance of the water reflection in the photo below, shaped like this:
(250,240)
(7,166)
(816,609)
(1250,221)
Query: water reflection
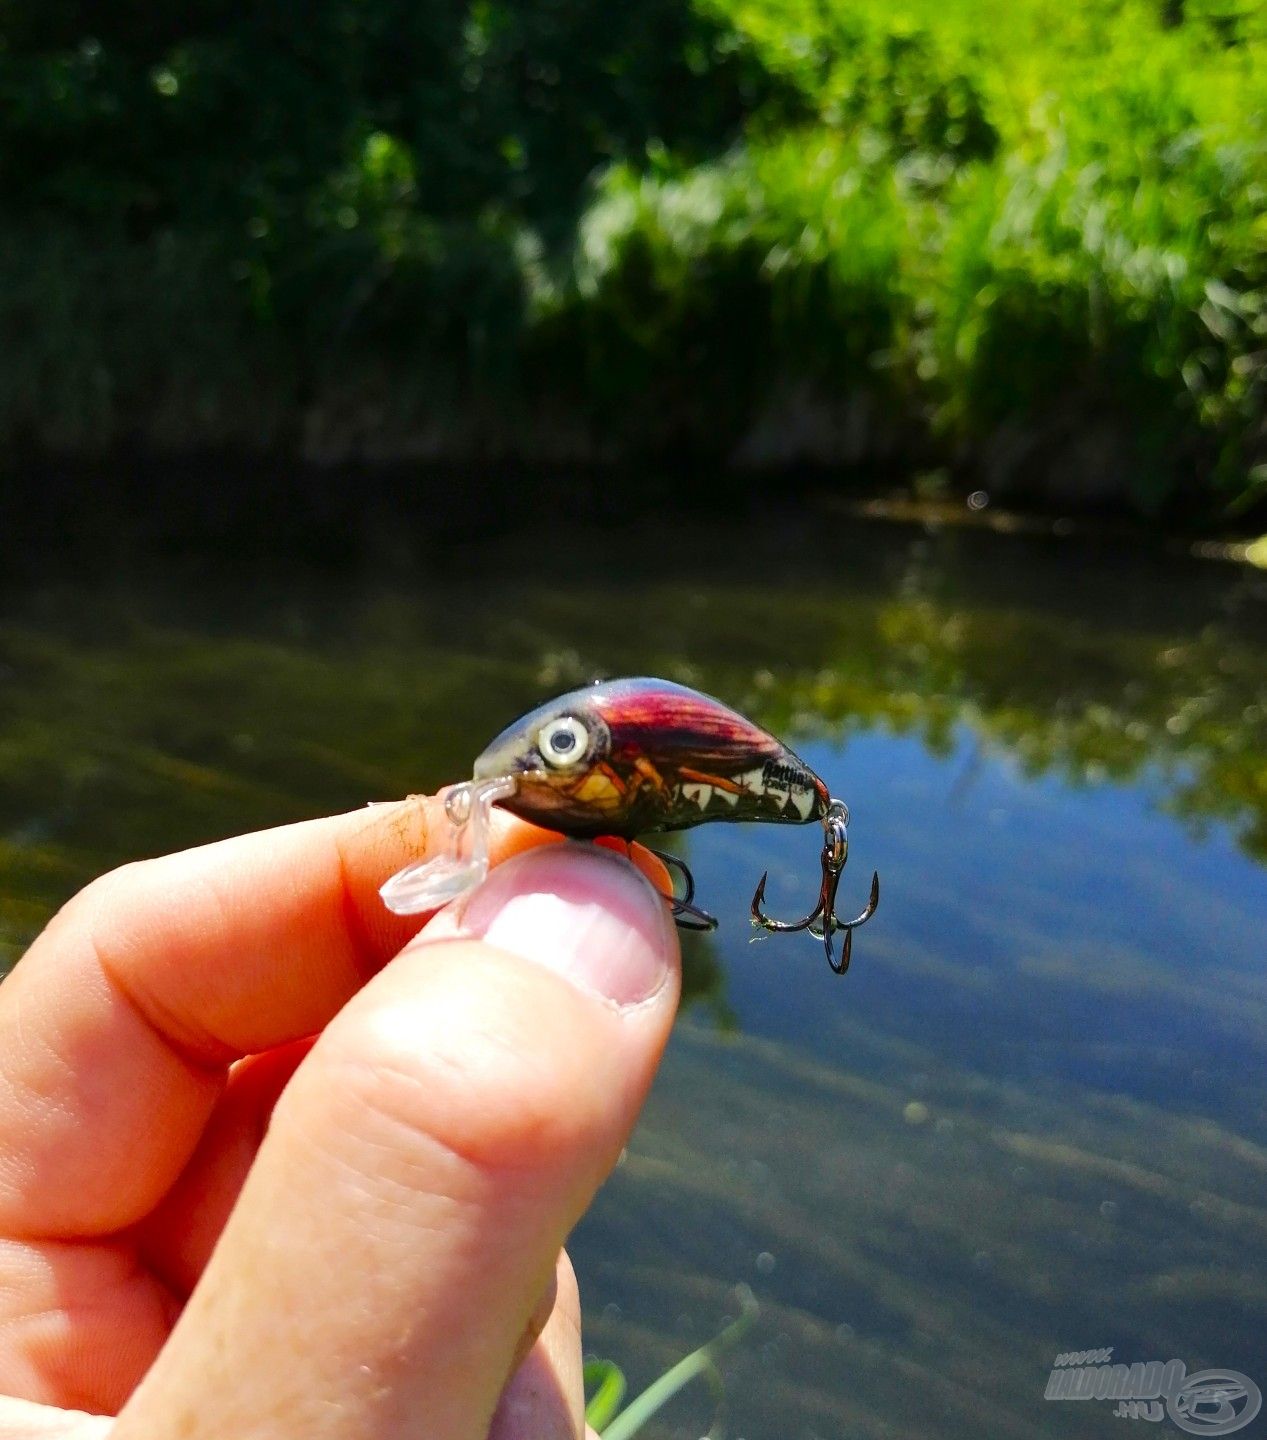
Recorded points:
(1033,1117)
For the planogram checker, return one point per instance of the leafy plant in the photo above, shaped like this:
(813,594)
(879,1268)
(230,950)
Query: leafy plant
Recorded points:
(606,1384)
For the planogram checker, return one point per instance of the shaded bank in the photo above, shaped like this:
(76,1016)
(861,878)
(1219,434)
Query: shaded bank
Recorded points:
(141,507)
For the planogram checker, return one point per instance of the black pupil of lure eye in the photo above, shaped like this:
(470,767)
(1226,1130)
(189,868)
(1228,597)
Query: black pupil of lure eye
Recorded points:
(562,741)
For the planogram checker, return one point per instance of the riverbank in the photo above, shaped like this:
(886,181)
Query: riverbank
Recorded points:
(1018,245)
(101,519)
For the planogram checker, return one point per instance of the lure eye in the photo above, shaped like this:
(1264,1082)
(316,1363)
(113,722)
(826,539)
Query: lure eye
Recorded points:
(563,742)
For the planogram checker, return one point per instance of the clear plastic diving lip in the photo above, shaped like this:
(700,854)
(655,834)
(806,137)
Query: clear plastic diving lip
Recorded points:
(428,884)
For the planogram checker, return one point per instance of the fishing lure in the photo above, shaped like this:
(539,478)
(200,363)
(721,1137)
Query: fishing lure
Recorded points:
(630,756)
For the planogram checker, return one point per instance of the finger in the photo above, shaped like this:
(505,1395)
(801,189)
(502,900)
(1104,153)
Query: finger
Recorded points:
(176,1240)
(545,1397)
(23,1420)
(81,1322)
(424,1165)
(117,1027)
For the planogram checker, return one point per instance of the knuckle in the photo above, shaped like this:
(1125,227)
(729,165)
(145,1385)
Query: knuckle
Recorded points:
(89,909)
(101,894)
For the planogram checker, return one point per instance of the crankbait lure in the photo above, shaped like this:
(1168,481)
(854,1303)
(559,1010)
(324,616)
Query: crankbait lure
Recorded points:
(629,756)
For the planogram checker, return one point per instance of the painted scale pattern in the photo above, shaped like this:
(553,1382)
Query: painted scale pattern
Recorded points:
(657,756)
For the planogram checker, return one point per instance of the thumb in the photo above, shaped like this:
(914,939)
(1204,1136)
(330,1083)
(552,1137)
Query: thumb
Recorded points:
(421,1171)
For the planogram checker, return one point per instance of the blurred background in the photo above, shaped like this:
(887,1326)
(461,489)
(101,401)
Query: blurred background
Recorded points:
(1016,245)
(370,372)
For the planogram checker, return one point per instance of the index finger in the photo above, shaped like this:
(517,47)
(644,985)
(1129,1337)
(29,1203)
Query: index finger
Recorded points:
(118,1025)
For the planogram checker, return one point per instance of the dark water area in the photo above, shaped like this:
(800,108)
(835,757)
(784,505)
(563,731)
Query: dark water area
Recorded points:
(1031,1119)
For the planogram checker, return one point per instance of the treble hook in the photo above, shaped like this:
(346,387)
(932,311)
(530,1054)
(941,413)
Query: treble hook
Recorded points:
(685,915)
(835,854)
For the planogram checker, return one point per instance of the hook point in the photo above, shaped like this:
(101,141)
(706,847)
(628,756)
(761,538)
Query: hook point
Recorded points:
(758,895)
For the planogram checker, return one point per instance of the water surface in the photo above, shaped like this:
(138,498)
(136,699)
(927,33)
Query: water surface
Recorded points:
(1032,1118)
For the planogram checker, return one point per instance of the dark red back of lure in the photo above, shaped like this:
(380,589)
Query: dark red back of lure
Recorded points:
(631,756)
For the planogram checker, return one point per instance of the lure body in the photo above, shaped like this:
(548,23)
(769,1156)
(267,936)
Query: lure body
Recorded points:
(632,756)
(625,758)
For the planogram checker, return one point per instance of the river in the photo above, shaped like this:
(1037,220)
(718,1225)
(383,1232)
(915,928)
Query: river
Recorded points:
(1032,1118)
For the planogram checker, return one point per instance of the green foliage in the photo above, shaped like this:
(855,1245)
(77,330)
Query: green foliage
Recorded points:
(250,109)
(858,66)
(607,1384)
(1014,225)
(766,257)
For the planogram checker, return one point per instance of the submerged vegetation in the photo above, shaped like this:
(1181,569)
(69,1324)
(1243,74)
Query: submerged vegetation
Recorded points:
(1024,241)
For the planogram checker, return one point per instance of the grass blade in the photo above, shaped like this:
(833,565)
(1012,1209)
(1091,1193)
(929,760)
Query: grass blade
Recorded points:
(608,1383)
(701,1362)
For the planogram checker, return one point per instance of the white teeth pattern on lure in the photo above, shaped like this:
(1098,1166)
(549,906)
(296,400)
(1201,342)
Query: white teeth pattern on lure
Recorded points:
(701,794)
(804,802)
(753,781)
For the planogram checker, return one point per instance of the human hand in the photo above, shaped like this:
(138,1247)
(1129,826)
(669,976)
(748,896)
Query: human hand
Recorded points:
(373,1254)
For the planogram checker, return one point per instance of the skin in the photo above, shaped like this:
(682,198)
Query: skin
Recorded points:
(275,1162)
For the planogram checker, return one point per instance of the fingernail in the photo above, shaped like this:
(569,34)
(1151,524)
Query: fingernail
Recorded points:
(580,911)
